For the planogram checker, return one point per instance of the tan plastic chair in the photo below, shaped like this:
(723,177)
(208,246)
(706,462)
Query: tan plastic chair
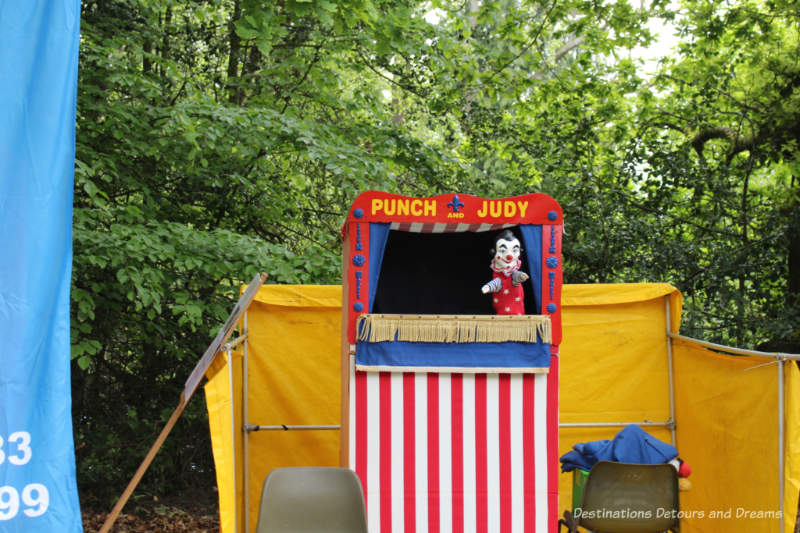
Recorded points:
(312,499)
(627,498)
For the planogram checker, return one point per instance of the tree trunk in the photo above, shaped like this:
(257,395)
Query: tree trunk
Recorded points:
(235,43)
(147,63)
(165,43)
(793,292)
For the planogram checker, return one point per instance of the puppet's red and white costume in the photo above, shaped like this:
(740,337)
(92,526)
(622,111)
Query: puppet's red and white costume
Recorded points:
(508,297)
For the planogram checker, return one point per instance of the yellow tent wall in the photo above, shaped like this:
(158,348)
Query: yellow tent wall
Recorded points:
(293,351)
(614,362)
(727,408)
(614,368)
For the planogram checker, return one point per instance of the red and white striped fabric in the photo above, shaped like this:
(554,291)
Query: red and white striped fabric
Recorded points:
(446,227)
(456,453)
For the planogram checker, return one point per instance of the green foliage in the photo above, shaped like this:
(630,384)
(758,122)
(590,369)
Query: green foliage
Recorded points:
(718,130)
(220,138)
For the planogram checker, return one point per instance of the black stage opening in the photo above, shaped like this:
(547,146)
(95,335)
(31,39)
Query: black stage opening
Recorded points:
(441,273)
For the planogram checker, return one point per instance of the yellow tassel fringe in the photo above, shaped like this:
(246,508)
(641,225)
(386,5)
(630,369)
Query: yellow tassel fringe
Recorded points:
(454,328)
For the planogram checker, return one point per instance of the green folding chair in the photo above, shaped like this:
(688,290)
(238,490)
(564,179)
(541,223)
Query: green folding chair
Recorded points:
(627,498)
(312,499)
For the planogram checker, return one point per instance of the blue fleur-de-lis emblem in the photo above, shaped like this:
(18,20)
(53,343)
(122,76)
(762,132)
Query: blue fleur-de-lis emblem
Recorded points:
(456,204)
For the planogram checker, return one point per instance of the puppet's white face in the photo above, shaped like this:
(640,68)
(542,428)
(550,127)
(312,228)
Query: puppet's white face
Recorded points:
(506,252)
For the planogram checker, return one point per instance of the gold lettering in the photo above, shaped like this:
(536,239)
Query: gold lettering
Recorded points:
(416,207)
(390,207)
(377,205)
(402,207)
(482,211)
(509,209)
(523,206)
(495,212)
(430,208)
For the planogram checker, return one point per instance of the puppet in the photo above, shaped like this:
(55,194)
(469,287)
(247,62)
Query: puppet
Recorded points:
(506,284)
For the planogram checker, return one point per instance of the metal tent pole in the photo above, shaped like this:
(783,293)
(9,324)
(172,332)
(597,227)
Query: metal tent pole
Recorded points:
(781,433)
(245,433)
(668,424)
(229,358)
(228,349)
(670,372)
(290,427)
(736,351)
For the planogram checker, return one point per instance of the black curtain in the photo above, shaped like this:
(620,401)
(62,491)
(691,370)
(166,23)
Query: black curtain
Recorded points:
(440,273)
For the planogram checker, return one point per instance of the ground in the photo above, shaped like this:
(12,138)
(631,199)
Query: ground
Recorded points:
(184,514)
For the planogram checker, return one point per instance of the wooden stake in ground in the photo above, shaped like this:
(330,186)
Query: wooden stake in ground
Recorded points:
(192,382)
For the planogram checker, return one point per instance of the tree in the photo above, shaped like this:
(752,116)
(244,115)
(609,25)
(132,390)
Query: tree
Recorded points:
(218,138)
(718,162)
(215,139)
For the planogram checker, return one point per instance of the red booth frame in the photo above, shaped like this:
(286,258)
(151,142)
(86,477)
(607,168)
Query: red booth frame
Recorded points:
(439,214)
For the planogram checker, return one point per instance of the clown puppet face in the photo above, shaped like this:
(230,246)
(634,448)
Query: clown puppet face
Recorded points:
(506,250)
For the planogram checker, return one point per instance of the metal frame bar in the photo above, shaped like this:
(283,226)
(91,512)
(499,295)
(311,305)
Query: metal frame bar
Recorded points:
(235,342)
(781,437)
(670,372)
(245,434)
(737,351)
(228,349)
(229,358)
(290,427)
(668,424)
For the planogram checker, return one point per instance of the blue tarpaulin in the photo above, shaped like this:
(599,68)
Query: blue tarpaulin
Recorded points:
(631,445)
(38,88)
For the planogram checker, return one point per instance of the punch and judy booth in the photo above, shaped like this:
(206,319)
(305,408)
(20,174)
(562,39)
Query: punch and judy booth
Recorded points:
(450,405)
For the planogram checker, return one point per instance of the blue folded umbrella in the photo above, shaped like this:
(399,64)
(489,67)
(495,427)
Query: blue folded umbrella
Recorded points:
(631,445)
